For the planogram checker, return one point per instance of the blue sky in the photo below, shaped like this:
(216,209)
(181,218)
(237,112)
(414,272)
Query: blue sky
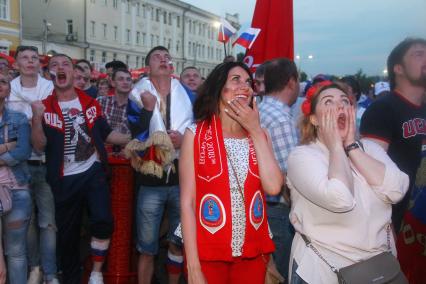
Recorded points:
(342,35)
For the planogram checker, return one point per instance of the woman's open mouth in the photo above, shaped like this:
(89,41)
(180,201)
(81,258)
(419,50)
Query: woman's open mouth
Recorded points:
(341,121)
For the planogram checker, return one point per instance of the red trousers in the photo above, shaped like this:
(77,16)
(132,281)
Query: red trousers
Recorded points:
(251,270)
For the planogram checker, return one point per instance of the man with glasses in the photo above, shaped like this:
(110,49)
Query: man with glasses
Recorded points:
(27,88)
(159,100)
(114,107)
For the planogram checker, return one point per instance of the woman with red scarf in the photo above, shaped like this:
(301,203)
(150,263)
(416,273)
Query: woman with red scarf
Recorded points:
(228,165)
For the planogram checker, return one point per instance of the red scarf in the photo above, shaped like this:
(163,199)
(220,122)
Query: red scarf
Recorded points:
(213,199)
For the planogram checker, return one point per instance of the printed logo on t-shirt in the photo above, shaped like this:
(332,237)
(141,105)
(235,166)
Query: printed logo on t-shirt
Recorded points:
(78,145)
(414,127)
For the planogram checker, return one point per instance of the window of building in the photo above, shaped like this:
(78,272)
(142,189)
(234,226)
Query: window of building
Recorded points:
(104,27)
(169,44)
(189,48)
(115,3)
(199,29)
(137,61)
(190,26)
(144,11)
(92,28)
(114,56)
(69,27)
(152,40)
(104,56)
(152,13)
(138,9)
(165,17)
(177,46)
(105,2)
(143,38)
(127,59)
(194,49)
(92,55)
(178,21)
(170,19)
(138,37)
(115,32)
(157,15)
(128,6)
(158,39)
(164,41)
(128,35)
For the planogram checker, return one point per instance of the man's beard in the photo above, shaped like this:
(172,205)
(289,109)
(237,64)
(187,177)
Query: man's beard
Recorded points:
(418,82)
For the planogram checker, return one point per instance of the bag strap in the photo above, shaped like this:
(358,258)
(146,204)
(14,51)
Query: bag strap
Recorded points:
(234,172)
(6,133)
(333,268)
(314,249)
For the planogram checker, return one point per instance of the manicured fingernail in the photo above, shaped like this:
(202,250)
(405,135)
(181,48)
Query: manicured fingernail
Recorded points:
(226,110)
(229,102)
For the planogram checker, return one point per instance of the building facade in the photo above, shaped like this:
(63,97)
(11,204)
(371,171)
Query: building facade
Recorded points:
(10,25)
(103,30)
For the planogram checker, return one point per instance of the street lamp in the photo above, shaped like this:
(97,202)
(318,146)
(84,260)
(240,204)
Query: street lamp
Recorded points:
(299,58)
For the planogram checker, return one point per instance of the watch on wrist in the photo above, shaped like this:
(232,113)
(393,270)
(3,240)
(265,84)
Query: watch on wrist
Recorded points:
(356,145)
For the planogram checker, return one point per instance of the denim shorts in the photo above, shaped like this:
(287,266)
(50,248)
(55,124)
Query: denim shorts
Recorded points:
(151,204)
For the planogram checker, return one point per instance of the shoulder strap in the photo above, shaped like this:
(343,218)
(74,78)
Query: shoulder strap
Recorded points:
(6,133)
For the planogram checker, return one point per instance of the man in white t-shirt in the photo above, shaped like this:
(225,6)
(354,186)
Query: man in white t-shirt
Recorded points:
(25,89)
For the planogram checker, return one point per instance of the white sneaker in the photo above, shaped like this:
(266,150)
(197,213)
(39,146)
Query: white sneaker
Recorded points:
(36,276)
(96,278)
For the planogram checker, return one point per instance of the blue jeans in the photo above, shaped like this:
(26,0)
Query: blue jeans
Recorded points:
(152,200)
(283,234)
(42,238)
(15,226)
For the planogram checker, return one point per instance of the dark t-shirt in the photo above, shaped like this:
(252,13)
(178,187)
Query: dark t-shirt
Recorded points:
(402,124)
(92,91)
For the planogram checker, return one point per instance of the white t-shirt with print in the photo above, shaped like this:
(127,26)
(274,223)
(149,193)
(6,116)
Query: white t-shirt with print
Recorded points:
(79,151)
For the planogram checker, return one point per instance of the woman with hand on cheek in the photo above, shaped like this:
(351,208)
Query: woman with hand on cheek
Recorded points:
(341,190)
(229,165)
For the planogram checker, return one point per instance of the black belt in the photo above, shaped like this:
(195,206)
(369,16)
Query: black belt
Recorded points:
(36,163)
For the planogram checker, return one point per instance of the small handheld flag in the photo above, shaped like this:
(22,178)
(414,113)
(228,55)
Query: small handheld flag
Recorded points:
(226,30)
(247,38)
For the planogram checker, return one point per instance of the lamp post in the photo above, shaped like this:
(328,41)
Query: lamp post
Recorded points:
(46,26)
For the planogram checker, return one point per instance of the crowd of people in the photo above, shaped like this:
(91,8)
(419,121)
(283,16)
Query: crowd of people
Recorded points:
(256,173)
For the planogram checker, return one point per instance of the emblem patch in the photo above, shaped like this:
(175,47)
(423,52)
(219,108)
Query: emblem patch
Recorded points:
(256,210)
(212,213)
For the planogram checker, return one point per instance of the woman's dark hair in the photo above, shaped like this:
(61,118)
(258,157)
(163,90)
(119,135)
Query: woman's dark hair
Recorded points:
(207,103)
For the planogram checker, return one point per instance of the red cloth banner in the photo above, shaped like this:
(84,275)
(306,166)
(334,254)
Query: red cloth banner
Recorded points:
(276,39)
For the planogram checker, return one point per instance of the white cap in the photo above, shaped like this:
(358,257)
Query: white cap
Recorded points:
(380,87)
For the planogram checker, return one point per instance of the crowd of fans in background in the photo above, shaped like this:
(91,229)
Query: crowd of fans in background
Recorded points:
(68,110)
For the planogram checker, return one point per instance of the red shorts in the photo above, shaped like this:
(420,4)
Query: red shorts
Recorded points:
(250,270)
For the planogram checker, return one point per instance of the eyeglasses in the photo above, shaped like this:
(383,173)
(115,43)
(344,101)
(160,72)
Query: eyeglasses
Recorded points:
(22,48)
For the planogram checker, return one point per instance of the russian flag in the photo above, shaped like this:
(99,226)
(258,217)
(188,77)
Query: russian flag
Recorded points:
(247,38)
(226,30)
